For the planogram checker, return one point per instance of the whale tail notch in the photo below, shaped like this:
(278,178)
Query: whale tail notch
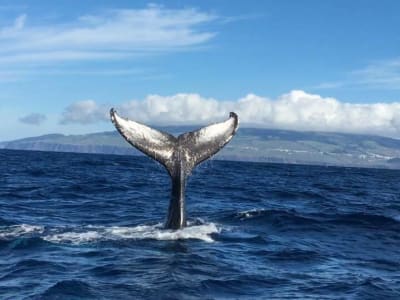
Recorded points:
(191,148)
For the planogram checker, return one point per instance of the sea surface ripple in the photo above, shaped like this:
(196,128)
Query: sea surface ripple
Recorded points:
(79,226)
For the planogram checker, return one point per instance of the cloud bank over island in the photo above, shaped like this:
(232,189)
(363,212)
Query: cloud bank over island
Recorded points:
(296,110)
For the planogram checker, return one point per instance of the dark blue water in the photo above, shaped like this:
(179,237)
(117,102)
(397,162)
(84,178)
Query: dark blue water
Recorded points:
(76,226)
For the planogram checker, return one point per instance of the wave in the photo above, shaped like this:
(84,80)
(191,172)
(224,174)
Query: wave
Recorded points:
(293,255)
(92,234)
(27,265)
(4,222)
(261,212)
(69,288)
(367,220)
(36,172)
(14,231)
(274,217)
(293,217)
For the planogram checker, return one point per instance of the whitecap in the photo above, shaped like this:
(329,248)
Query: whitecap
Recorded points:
(199,232)
(157,232)
(250,213)
(13,231)
(74,237)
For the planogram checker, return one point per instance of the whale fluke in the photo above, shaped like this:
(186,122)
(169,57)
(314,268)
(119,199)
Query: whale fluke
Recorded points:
(158,145)
(179,155)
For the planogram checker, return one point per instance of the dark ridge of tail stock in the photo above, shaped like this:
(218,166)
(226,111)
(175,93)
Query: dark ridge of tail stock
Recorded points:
(179,155)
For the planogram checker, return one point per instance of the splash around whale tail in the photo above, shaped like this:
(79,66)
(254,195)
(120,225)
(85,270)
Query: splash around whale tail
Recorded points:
(179,155)
(190,148)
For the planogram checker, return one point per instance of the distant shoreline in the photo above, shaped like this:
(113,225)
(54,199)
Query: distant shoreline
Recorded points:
(219,159)
(249,144)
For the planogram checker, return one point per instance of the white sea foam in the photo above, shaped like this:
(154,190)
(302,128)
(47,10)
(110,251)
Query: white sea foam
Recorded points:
(74,237)
(13,231)
(90,234)
(250,213)
(200,232)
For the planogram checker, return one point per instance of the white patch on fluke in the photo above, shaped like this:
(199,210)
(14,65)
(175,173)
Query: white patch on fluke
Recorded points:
(143,136)
(212,132)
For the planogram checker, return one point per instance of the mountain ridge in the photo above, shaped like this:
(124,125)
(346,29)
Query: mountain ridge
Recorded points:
(250,144)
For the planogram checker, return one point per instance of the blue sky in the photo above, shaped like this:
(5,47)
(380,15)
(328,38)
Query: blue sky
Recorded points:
(309,65)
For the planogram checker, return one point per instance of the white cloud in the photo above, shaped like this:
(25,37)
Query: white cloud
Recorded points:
(83,112)
(33,119)
(139,74)
(115,34)
(383,74)
(380,74)
(296,110)
(328,85)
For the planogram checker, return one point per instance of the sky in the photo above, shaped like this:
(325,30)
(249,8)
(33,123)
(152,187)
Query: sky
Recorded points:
(301,65)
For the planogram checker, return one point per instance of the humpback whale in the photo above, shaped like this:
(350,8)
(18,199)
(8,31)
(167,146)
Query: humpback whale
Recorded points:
(179,155)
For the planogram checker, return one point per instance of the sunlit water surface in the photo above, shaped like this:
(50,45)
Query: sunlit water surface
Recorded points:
(79,226)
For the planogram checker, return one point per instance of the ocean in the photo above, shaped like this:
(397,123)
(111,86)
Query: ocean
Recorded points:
(84,226)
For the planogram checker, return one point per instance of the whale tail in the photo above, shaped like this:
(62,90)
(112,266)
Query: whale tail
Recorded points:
(179,155)
(192,148)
